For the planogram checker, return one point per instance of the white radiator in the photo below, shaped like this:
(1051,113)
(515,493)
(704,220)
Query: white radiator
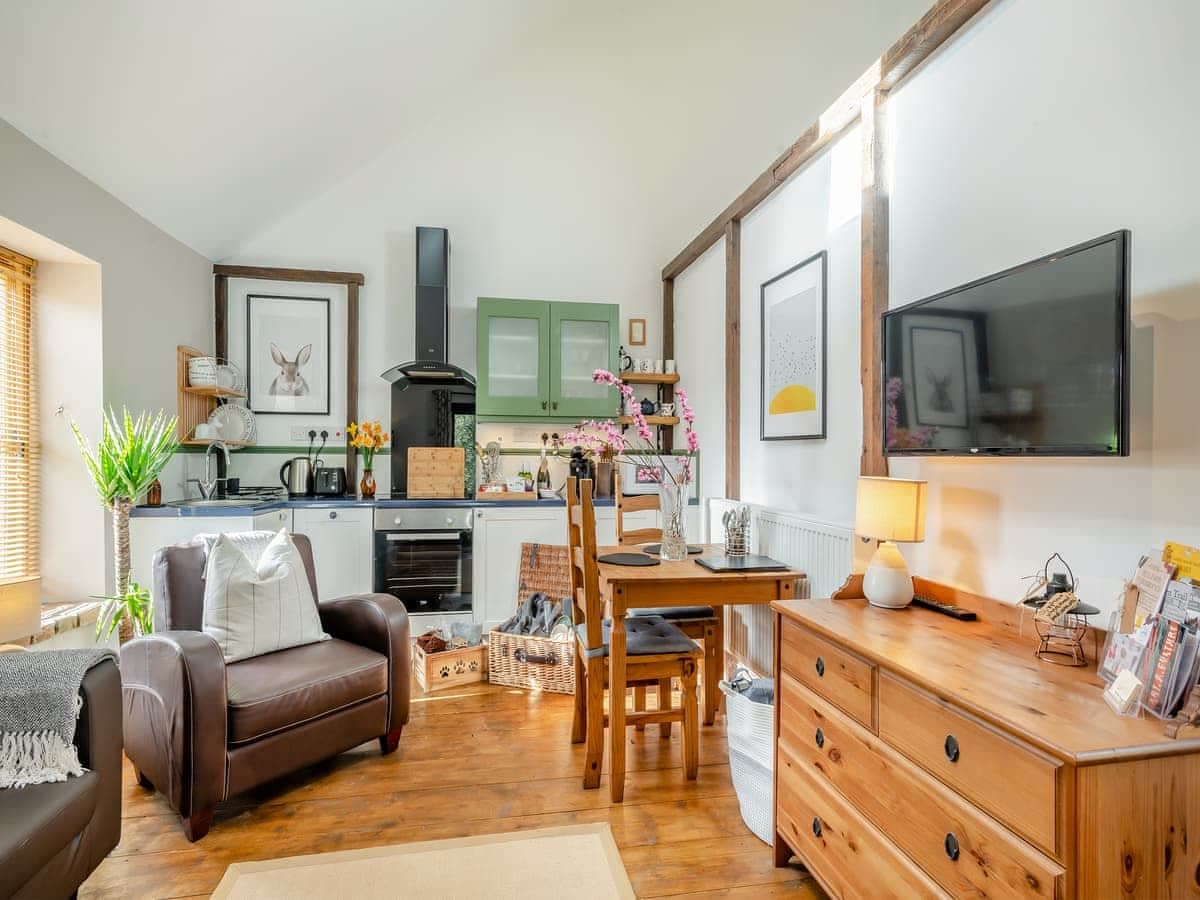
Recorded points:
(824,552)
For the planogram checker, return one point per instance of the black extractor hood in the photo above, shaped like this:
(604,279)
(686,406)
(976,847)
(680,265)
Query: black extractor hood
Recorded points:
(432,316)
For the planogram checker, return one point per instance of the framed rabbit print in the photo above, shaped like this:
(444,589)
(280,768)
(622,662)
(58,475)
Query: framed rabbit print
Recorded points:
(792,403)
(287,354)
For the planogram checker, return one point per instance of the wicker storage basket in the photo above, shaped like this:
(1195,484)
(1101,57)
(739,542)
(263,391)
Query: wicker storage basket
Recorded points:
(537,663)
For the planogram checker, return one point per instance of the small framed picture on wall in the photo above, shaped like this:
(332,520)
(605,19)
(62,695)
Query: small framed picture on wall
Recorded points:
(287,354)
(792,402)
(637,332)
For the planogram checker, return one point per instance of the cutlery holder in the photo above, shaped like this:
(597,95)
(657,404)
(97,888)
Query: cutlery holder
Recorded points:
(737,540)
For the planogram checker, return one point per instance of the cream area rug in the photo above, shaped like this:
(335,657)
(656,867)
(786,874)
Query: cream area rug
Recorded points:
(579,861)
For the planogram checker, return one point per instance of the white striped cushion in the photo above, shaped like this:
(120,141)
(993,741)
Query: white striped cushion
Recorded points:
(252,608)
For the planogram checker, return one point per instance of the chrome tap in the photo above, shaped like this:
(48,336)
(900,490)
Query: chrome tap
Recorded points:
(208,485)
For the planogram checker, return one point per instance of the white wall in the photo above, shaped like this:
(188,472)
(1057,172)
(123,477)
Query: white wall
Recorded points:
(1050,122)
(818,209)
(578,170)
(157,293)
(68,321)
(700,356)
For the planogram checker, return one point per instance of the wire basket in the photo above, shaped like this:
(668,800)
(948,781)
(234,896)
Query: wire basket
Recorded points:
(737,540)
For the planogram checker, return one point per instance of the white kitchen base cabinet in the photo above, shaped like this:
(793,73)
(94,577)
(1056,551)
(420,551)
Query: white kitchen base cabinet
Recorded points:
(343,548)
(148,534)
(497,539)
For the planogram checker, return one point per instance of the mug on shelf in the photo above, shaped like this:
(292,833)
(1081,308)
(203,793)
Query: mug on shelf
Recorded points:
(669,366)
(666,409)
(643,365)
(205,431)
(658,366)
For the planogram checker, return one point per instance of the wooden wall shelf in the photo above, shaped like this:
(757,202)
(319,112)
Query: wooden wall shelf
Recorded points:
(650,420)
(196,404)
(211,391)
(649,378)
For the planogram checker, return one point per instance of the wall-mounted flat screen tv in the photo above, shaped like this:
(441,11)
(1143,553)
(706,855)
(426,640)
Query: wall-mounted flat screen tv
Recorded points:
(1033,360)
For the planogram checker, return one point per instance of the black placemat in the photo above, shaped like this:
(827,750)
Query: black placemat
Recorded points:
(751,563)
(693,549)
(629,559)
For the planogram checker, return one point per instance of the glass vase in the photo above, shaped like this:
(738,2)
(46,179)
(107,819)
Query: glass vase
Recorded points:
(367,486)
(673,508)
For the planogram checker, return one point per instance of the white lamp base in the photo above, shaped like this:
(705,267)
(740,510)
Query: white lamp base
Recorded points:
(887,582)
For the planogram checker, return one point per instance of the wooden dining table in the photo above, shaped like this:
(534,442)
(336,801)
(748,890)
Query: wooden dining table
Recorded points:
(678,583)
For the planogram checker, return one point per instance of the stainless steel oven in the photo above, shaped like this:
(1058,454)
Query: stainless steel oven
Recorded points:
(423,557)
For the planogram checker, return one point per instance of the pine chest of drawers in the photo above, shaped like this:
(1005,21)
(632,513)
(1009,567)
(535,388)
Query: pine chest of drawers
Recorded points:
(919,756)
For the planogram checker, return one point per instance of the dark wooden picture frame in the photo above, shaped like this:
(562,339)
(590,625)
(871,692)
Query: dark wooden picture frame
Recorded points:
(352,282)
(820,259)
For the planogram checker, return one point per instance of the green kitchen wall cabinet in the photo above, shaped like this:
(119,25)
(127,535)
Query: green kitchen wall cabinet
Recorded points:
(536,358)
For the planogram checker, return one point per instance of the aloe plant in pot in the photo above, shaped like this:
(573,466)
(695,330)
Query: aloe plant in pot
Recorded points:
(129,456)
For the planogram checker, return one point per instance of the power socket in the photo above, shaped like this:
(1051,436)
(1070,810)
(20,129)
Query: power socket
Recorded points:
(299,433)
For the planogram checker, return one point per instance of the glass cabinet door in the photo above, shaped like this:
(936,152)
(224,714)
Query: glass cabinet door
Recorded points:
(583,338)
(513,373)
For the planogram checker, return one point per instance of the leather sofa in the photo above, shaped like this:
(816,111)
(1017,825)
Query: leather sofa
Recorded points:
(201,731)
(52,836)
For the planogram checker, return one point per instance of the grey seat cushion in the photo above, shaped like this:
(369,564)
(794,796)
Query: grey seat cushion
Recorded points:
(646,636)
(672,613)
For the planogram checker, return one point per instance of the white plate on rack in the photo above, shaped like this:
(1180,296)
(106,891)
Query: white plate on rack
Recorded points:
(233,422)
(229,377)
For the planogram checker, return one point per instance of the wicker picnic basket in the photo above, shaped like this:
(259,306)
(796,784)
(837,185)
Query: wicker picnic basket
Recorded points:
(537,663)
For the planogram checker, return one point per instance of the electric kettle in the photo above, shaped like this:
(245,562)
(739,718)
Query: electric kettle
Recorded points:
(297,475)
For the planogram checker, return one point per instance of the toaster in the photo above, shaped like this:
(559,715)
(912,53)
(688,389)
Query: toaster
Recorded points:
(329,481)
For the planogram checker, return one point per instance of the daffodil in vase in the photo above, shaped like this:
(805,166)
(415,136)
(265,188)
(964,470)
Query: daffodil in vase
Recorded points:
(367,438)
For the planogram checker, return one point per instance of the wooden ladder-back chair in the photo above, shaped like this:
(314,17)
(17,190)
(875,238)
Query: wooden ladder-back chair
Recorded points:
(654,651)
(700,622)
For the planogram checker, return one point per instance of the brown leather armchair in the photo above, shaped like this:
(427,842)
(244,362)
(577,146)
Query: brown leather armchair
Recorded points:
(202,731)
(52,836)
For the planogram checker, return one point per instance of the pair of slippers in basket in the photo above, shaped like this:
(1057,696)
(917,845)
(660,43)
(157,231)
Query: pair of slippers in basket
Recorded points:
(536,618)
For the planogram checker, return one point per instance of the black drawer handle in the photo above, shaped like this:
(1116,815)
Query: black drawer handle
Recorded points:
(333,514)
(820,667)
(951,748)
(816,826)
(820,738)
(951,845)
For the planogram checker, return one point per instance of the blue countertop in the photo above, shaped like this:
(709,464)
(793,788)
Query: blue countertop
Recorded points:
(254,507)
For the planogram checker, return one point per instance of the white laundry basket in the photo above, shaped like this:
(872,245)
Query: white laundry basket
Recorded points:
(750,730)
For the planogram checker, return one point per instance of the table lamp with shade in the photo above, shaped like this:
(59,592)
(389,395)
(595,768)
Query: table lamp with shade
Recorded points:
(889,510)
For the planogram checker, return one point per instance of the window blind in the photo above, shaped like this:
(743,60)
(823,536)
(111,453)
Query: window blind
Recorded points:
(18,424)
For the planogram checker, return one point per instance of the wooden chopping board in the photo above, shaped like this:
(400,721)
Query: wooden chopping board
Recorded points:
(436,472)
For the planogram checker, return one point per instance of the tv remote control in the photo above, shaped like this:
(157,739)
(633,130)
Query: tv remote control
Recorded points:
(946,609)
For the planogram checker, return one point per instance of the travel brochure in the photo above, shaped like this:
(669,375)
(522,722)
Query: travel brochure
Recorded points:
(1152,657)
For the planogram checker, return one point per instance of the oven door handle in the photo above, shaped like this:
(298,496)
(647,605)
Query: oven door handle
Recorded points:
(422,536)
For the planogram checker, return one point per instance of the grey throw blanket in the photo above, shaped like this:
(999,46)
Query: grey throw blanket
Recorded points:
(39,705)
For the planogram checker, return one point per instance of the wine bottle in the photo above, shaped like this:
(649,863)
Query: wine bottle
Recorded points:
(543,475)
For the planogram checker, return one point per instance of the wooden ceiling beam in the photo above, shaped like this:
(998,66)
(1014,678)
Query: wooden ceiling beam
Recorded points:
(272,273)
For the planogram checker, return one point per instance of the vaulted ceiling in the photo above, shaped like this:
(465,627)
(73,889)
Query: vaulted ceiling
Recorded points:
(212,119)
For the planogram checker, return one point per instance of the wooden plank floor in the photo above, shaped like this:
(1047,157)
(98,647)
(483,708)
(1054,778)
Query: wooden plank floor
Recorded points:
(475,760)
